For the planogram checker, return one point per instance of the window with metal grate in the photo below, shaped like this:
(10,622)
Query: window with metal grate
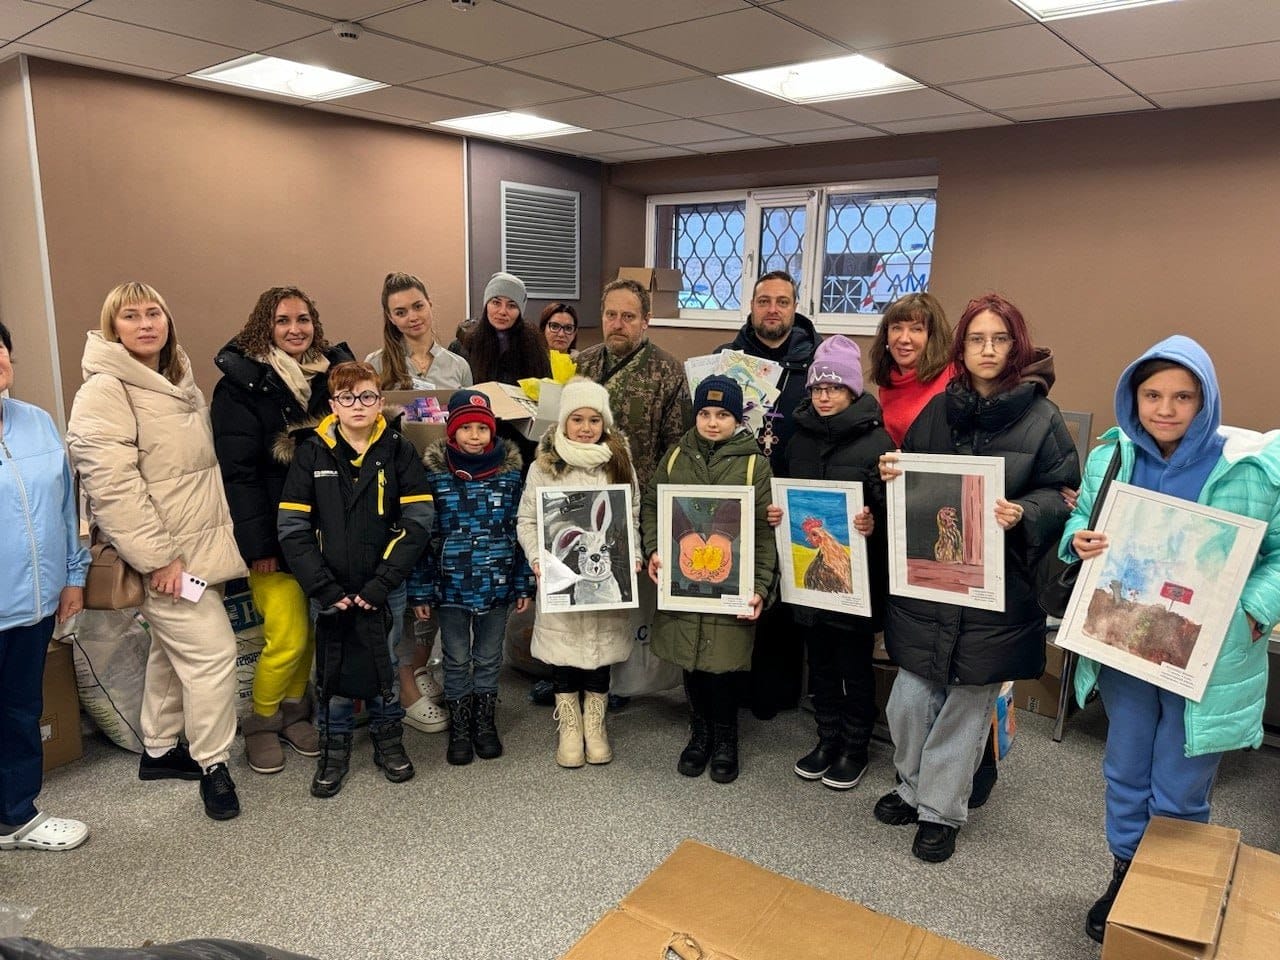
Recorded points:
(540,239)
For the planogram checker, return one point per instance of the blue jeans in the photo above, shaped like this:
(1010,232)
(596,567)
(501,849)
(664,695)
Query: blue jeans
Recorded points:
(472,645)
(22,653)
(341,712)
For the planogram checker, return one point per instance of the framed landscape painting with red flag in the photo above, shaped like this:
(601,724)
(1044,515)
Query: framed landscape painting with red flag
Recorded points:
(1158,602)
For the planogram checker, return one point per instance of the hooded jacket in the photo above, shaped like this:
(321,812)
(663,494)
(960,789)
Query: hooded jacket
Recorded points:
(712,642)
(1242,476)
(795,355)
(591,638)
(144,450)
(949,644)
(38,515)
(252,413)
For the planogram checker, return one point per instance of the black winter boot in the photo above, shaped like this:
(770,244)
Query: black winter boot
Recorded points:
(388,752)
(830,743)
(847,769)
(485,735)
(694,757)
(332,766)
(724,756)
(1095,925)
(461,720)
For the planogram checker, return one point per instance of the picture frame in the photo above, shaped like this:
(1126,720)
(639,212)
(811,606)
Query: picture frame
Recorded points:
(586,548)
(822,559)
(706,545)
(1158,602)
(1080,426)
(944,542)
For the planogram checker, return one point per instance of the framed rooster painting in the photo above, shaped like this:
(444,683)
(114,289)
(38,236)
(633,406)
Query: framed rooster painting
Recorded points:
(587,548)
(821,557)
(944,542)
(706,544)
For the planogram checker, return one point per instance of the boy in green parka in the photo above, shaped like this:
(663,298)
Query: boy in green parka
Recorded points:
(712,647)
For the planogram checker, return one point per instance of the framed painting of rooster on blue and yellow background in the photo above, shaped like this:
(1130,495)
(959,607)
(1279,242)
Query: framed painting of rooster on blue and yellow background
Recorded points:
(821,557)
(944,542)
(706,543)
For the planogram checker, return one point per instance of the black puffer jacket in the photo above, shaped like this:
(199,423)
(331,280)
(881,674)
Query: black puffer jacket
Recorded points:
(795,356)
(847,446)
(252,411)
(949,644)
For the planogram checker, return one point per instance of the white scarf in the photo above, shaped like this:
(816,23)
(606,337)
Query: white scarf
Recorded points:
(297,376)
(585,455)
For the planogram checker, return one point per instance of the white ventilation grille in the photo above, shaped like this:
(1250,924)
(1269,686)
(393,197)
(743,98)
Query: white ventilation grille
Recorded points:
(540,239)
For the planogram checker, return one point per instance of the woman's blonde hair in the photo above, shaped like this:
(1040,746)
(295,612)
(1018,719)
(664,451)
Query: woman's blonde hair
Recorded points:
(135,291)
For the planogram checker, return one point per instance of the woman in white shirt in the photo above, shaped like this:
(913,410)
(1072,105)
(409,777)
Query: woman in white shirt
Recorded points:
(411,357)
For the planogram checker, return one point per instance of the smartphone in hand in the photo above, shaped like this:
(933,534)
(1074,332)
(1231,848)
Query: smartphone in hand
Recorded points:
(192,587)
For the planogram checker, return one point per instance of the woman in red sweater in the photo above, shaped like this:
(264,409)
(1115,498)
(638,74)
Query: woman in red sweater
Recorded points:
(909,359)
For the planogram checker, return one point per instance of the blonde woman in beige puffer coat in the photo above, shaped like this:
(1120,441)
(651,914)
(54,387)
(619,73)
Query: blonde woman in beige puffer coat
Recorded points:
(140,439)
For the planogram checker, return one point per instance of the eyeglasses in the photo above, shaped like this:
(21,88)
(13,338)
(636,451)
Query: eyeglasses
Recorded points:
(826,389)
(367,399)
(1000,342)
(560,327)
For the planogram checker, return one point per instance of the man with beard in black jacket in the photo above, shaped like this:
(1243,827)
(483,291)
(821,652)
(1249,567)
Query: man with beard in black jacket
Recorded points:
(775,331)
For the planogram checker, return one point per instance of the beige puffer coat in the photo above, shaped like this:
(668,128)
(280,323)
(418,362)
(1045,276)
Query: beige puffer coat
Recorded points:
(144,450)
(590,639)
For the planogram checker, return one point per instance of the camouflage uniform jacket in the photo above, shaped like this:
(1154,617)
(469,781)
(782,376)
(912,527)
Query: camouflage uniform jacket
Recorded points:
(650,400)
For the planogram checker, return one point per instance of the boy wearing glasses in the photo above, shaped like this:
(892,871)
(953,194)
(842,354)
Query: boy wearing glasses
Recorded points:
(354,516)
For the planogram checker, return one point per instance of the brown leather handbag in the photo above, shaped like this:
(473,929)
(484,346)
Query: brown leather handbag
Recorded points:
(111,584)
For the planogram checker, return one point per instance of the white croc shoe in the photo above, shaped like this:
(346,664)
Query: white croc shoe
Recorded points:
(428,685)
(427,716)
(46,833)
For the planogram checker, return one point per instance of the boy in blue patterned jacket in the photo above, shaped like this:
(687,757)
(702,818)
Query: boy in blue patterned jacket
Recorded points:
(474,571)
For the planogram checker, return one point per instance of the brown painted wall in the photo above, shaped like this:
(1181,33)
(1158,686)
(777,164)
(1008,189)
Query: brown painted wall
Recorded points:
(212,198)
(1110,233)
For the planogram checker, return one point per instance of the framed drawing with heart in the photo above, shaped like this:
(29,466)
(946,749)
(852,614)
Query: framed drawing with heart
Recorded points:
(706,543)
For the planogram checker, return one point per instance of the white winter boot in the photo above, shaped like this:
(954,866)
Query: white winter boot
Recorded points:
(569,748)
(593,730)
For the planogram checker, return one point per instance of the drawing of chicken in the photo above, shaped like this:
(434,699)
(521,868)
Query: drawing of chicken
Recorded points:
(949,547)
(829,570)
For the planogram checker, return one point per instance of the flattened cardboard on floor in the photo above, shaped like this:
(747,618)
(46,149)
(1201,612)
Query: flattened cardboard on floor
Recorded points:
(758,916)
(1195,892)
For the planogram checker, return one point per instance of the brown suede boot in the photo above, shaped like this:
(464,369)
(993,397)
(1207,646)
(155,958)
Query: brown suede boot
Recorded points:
(298,730)
(262,742)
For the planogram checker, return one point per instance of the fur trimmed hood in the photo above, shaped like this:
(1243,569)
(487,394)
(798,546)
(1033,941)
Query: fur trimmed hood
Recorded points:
(286,442)
(433,457)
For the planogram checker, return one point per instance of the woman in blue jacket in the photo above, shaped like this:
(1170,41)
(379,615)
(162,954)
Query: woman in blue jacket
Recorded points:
(1163,750)
(43,568)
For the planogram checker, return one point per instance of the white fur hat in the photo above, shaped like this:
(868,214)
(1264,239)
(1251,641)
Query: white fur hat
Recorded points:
(581,392)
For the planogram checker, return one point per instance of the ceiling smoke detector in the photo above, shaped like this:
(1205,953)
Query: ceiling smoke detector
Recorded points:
(463,6)
(348,32)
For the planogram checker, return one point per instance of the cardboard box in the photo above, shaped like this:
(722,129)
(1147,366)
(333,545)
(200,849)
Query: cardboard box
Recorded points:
(522,413)
(60,721)
(763,916)
(663,286)
(1195,891)
(1041,696)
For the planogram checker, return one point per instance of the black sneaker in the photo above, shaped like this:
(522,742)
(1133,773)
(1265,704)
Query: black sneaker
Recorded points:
(847,770)
(818,760)
(935,842)
(218,792)
(1095,925)
(895,811)
(174,765)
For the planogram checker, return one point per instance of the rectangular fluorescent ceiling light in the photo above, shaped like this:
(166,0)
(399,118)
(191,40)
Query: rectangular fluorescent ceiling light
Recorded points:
(510,126)
(1061,9)
(841,78)
(285,77)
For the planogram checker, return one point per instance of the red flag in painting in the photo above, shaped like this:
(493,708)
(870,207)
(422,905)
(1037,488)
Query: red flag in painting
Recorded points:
(1176,592)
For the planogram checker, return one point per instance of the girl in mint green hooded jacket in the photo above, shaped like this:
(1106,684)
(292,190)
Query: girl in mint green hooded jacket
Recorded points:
(1163,750)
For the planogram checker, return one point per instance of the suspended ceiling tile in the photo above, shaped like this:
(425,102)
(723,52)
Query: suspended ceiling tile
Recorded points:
(414,104)
(348,9)
(1081,108)
(995,53)
(647,153)
(1257,63)
(777,120)
(603,66)
(699,98)
(1169,28)
(612,19)
(592,142)
(731,144)
(246,24)
(744,40)
(963,121)
(895,106)
(17,17)
(829,135)
(496,85)
(1206,96)
(599,113)
(335,106)
(372,56)
(677,131)
(1053,86)
(491,32)
(882,23)
(84,60)
(88,36)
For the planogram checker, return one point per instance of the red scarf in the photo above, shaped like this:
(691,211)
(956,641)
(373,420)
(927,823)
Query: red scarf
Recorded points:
(903,397)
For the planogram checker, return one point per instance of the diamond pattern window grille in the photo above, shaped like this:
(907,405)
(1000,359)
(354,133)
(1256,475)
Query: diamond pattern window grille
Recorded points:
(879,246)
(704,241)
(782,241)
(540,239)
